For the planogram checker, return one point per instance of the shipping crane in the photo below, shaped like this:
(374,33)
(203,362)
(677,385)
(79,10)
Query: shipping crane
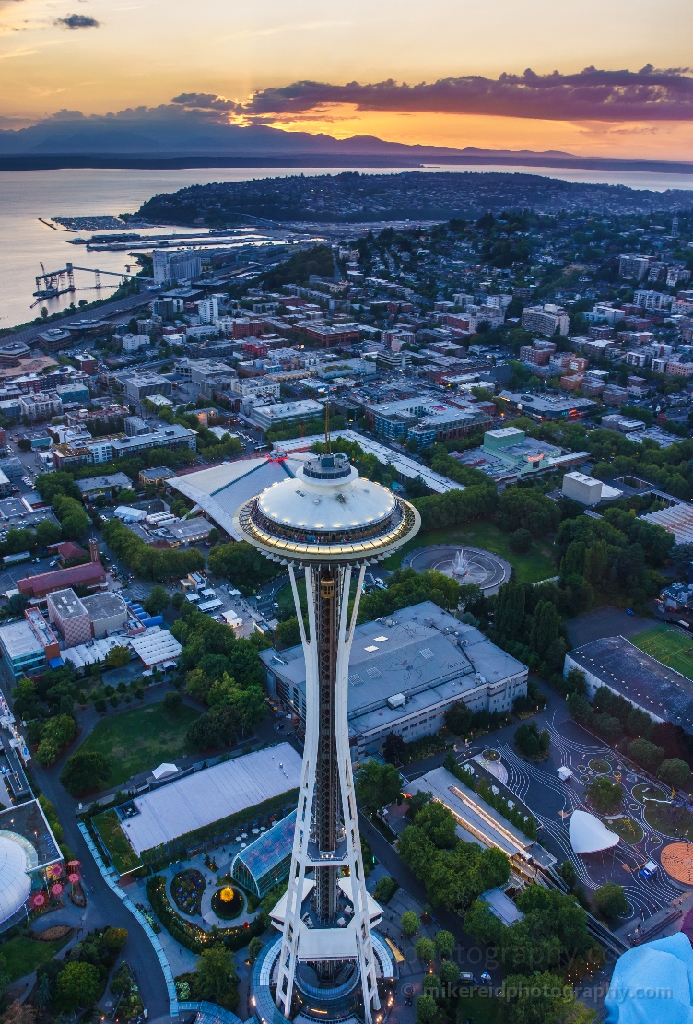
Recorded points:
(51,284)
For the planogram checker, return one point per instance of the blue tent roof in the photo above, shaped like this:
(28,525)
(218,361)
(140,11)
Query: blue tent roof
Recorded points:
(56,663)
(653,984)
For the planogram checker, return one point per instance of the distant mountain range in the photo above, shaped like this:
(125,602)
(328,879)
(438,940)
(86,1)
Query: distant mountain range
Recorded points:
(141,139)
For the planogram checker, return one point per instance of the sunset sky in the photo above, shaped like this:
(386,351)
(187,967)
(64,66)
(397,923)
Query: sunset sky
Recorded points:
(215,56)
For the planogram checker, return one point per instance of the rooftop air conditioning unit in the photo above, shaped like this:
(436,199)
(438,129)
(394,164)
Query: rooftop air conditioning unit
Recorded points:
(397,700)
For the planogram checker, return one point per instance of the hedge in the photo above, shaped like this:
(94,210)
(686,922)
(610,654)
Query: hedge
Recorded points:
(191,935)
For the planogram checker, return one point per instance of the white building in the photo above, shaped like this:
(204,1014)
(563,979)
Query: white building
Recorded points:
(268,416)
(547,320)
(208,310)
(131,342)
(175,266)
(587,489)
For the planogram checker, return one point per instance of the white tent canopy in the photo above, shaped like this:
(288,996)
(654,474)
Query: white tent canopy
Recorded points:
(589,835)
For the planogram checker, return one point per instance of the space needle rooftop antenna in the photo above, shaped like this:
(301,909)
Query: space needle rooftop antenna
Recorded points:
(332,523)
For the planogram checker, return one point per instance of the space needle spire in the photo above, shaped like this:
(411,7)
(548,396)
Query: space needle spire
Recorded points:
(332,523)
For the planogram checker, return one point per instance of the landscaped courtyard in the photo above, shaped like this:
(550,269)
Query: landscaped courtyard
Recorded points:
(141,739)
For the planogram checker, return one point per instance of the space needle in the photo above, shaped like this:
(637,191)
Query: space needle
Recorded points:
(333,524)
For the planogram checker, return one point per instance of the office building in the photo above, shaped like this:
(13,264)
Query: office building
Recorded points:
(208,310)
(404,674)
(170,267)
(630,266)
(133,342)
(141,385)
(547,320)
(276,416)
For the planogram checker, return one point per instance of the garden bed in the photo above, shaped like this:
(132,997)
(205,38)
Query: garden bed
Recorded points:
(600,766)
(625,828)
(124,858)
(187,889)
(227,903)
(191,935)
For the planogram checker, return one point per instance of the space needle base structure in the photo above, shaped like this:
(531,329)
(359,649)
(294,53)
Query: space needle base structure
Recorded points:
(332,523)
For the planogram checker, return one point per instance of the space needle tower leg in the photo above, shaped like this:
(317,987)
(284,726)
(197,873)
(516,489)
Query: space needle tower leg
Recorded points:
(333,524)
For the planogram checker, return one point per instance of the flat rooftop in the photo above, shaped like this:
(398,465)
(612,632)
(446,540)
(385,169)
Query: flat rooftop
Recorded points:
(28,821)
(66,604)
(103,606)
(19,639)
(639,678)
(420,651)
(206,796)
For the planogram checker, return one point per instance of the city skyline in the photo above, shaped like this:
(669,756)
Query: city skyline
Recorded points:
(458,77)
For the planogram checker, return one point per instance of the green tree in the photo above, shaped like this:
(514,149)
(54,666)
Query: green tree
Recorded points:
(444,943)
(425,949)
(547,623)
(85,771)
(377,784)
(158,601)
(611,900)
(118,657)
(77,985)
(172,701)
(243,565)
(646,754)
(675,772)
(426,1009)
(438,824)
(409,923)
(639,723)
(255,947)
(288,633)
(530,742)
(449,972)
(458,718)
(604,794)
(509,611)
(579,707)
(216,977)
(48,532)
(177,600)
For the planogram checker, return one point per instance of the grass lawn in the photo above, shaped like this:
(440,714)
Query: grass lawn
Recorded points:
(625,828)
(24,955)
(670,646)
(681,828)
(599,765)
(141,739)
(536,565)
(481,1009)
(122,854)
(644,789)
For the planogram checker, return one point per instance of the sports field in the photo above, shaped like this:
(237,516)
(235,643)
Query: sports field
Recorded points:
(672,647)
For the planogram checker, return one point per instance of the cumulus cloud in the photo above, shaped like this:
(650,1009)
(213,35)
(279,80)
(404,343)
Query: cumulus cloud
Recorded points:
(73,21)
(592,95)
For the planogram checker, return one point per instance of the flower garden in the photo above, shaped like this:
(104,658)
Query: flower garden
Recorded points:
(187,890)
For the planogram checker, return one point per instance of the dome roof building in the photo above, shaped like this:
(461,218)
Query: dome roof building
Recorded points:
(15,883)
